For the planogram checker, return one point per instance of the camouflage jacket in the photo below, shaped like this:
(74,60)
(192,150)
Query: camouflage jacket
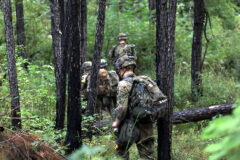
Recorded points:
(84,84)
(123,91)
(120,50)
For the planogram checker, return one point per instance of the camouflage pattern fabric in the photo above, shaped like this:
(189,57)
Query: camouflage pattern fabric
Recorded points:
(103,83)
(120,50)
(84,84)
(104,99)
(145,144)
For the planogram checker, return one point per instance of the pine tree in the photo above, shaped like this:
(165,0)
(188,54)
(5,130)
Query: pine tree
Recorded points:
(12,72)
(166,17)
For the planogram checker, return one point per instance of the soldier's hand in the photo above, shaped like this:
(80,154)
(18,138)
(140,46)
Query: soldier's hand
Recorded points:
(116,124)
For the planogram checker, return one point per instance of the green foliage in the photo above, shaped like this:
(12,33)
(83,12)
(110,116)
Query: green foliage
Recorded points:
(187,143)
(36,88)
(217,89)
(221,72)
(226,130)
(224,9)
(86,152)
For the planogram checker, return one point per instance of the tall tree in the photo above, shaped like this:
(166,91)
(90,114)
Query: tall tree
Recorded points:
(166,17)
(151,7)
(199,15)
(83,30)
(20,27)
(12,73)
(57,22)
(73,137)
(92,96)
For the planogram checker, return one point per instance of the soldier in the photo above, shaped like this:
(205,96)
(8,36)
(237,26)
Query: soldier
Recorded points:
(138,132)
(87,66)
(123,48)
(104,101)
(104,88)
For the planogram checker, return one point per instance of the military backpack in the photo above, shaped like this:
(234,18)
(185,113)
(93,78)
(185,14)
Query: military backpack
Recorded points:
(104,84)
(146,101)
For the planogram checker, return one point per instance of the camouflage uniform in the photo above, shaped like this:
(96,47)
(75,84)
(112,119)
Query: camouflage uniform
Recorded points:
(104,101)
(145,143)
(122,49)
(87,66)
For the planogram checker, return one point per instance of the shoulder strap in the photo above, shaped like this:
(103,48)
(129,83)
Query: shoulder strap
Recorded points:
(115,49)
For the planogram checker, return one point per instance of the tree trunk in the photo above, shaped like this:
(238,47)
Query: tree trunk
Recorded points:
(199,114)
(92,96)
(12,73)
(165,70)
(20,27)
(83,30)
(199,14)
(73,138)
(152,7)
(57,21)
(189,115)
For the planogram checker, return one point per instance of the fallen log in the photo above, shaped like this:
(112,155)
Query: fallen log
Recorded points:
(199,114)
(189,115)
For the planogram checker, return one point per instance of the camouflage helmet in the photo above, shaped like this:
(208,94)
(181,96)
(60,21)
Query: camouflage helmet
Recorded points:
(125,61)
(87,65)
(103,63)
(122,36)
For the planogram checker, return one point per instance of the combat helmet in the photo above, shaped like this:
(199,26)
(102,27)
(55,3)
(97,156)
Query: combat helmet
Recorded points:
(122,36)
(125,61)
(87,65)
(103,63)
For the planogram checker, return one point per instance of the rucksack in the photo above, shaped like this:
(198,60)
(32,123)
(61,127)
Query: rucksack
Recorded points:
(124,49)
(128,133)
(146,101)
(104,85)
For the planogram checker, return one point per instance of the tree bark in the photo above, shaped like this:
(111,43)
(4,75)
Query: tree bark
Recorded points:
(83,30)
(199,114)
(151,7)
(196,83)
(12,73)
(57,22)
(189,115)
(92,95)
(73,137)
(20,27)
(165,25)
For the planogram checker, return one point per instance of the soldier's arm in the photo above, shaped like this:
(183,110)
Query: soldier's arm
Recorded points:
(122,100)
(111,52)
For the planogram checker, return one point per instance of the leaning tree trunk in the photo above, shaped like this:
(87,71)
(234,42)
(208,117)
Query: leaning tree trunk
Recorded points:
(199,114)
(83,30)
(92,95)
(73,138)
(20,27)
(199,15)
(12,73)
(57,21)
(165,70)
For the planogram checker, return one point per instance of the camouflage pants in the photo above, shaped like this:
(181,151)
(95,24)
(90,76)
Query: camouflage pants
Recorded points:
(145,144)
(103,103)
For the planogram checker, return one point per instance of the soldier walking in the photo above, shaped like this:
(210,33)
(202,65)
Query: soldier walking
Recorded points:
(122,48)
(135,125)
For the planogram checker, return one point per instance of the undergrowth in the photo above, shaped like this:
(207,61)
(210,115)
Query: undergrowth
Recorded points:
(37,99)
